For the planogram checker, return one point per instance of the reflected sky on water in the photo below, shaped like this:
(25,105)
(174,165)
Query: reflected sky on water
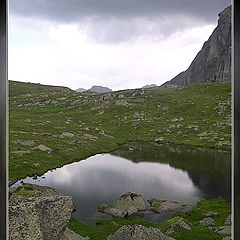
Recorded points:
(103,178)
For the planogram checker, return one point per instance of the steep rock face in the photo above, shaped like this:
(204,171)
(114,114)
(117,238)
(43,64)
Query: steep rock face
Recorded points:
(213,62)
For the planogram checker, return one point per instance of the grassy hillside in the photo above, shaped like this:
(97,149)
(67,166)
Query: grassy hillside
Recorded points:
(75,125)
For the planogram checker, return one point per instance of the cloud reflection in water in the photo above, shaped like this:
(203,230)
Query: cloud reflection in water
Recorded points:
(106,174)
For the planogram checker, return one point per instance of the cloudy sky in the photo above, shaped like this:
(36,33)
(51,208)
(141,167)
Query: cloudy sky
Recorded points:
(114,43)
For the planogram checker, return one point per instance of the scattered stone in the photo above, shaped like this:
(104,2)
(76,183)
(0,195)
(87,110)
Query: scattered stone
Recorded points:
(44,214)
(179,222)
(114,223)
(210,214)
(28,143)
(100,113)
(103,134)
(43,148)
(228,221)
(170,231)
(138,232)
(203,134)
(177,119)
(20,153)
(46,134)
(207,222)
(163,206)
(66,134)
(221,230)
(36,164)
(90,137)
(159,140)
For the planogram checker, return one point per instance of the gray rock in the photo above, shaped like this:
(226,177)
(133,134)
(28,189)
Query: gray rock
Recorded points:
(170,231)
(70,235)
(67,134)
(213,62)
(27,143)
(228,221)
(138,232)
(20,152)
(44,214)
(43,148)
(159,140)
(207,222)
(221,230)
(101,132)
(179,222)
(210,214)
(128,204)
(163,206)
(130,199)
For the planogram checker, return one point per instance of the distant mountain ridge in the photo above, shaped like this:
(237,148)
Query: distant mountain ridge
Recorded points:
(99,89)
(80,90)
(213,62)
(149,86)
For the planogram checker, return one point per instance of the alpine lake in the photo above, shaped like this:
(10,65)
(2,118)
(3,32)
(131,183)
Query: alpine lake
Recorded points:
(173,172)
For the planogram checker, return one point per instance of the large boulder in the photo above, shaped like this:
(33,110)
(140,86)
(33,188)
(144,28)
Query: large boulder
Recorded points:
(138,232)
(128,204)
(38,213)
(163,206)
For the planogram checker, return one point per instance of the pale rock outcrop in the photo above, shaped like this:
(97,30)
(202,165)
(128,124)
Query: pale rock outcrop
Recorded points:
(138,232)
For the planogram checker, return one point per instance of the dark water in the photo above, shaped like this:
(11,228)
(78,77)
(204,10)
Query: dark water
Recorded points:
(162,171)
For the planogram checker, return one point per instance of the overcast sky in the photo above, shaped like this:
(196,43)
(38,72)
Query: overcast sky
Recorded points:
(114,43)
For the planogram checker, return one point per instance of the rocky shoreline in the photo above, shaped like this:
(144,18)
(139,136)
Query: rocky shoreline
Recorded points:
(41,213)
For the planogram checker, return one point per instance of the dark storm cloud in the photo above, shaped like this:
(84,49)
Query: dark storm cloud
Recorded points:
(74,10)
(111,21)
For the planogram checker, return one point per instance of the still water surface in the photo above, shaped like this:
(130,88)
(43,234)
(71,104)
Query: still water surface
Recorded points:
(180,173)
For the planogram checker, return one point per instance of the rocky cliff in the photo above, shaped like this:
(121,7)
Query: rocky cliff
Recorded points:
(213,62)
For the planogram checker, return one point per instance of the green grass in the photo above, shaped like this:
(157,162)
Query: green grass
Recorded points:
(26,190)
(42,113)
(104,228)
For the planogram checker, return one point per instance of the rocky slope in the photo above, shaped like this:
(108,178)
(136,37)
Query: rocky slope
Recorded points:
(213,62)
